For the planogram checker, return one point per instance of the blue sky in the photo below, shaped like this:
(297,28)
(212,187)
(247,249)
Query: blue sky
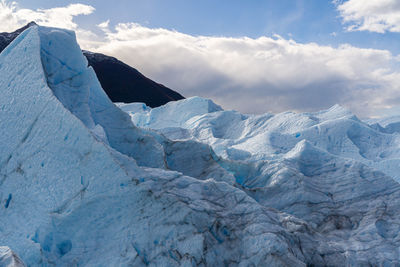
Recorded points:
(254,56)
(303,20)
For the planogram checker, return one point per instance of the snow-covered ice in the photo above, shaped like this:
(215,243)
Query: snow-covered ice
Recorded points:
(84,182)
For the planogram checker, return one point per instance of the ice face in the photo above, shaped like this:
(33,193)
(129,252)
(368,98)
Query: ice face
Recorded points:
(77,88)
(81,185)
(9,259)
(48,156)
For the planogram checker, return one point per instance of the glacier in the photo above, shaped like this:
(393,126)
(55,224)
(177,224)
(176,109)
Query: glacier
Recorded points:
(8,258)
(256,138)
(85,182)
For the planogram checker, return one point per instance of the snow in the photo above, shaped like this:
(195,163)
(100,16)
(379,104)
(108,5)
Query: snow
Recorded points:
(195,185)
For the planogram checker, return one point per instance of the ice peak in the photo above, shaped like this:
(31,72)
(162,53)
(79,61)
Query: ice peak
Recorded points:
(177,111)
(306,151)
(339,109)
(335,112)
(59,62)
(206,104)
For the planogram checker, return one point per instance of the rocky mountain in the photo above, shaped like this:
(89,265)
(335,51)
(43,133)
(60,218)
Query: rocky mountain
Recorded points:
(84,182)
(121,82)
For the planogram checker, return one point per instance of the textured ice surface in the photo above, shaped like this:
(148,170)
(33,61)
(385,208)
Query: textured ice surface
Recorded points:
(80,185)
(252,138)
(9,259)
(327,168)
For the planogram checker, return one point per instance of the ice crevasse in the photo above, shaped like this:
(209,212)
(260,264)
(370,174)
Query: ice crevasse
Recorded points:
(80,184)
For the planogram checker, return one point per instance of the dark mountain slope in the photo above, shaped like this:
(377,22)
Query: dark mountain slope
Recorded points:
(121,82)
(7,37)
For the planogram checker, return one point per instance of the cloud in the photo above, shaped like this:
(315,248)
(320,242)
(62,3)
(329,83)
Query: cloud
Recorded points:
(372,15)
(266,74)
(13,17)
(258,75)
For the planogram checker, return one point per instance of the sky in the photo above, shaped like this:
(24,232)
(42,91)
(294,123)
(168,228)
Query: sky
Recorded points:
(253,56)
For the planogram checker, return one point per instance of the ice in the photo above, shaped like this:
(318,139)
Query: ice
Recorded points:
(70,199)
(9,259)
(77,87)
(237,136)
(132,107)
(320,167)
(173,113)
(80,184)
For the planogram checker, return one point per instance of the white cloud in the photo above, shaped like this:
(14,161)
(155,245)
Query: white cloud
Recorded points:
(250,75)
(372,15)
(104,25)
(13,17)
(258,75)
